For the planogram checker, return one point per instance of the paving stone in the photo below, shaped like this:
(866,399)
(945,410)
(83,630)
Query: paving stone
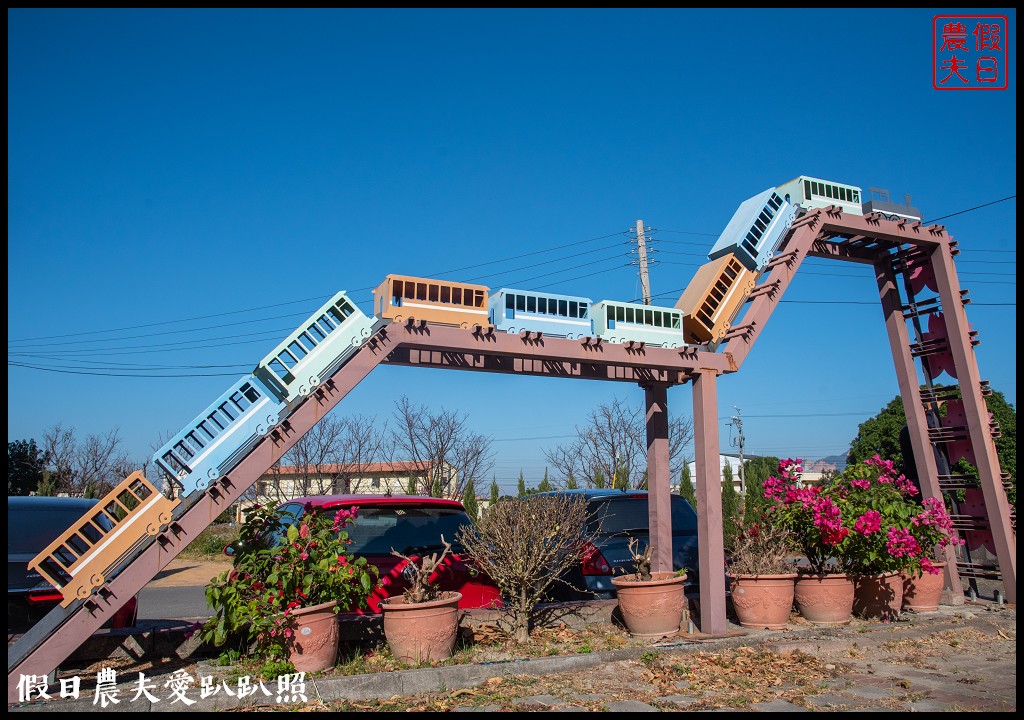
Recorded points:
(546,700)
(630,706)
(777,706)
(871,693)
(589,696)
(680,699)
(827,700)
(927,706)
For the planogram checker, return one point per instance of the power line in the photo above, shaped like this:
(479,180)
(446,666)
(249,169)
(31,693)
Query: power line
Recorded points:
(976,207)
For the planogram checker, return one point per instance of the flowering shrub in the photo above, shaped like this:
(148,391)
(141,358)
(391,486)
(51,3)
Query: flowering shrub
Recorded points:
(281,567)
(810,514)
(893,531)
(868,522)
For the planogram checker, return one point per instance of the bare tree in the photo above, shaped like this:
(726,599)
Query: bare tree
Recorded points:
(614,442)
(444,443)
(88,469)
(333,457)
(525,545)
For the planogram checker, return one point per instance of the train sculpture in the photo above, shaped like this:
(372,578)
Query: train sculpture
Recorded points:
(221,436)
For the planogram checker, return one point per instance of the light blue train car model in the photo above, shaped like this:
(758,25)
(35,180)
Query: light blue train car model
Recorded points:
(555,315)
(215,441)
(620,322)
(316,349)
(755,230)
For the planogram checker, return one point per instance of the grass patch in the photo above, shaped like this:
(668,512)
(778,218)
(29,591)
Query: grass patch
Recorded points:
(209,544)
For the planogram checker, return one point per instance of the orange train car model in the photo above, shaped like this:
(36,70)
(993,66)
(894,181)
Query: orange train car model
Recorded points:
(78,561)
(714,297)
(401,298)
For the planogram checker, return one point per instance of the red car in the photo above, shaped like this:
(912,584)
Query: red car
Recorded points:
(413,525)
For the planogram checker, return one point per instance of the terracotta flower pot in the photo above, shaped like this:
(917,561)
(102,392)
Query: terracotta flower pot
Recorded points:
(825,599)
(314,646)
(763,601)
(652,608)
(879,596)
(418,632)
(922,593)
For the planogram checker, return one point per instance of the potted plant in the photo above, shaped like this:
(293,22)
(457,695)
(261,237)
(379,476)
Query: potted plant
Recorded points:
(288,582)
(932,527)
(762,576)
(823,591)
(422,624)
(651,603)
(893,536)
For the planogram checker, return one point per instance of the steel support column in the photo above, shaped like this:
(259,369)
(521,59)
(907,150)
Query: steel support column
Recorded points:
(997,507)
(913,407)
(658,480)
(711,545)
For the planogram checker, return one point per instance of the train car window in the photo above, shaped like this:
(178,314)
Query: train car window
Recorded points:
(78,545)
(433,293)
(345,308)
(480,299)
(521,303)
(583,310)
(446,294)
(103,522)
(421,291)
(629,314)
(542,305)
(115,511)
(574,308)
(677,322)
(531,304)
(90,533)
(510,301)
(620,313)
(250,392)
(648,317)
(856,196)
(807,188)
(129,501)
(456,295)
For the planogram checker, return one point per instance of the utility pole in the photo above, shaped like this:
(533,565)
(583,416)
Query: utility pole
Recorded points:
(641,245)
(738,441)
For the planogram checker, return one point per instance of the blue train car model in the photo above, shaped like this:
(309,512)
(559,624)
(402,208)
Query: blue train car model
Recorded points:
(619,322)
(215,441)
(755,230)
(555,315)
(316,349)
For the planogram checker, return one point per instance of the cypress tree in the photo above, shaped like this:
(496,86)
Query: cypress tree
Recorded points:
(469,500)
(686,488)
(495,490)
(545,484)
(522,485)
(599,479)
(730,508)
(570,483)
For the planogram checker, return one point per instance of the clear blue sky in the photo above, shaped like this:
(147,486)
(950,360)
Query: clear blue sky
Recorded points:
(242,166)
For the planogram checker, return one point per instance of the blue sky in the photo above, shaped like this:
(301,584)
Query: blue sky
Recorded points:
(242,166)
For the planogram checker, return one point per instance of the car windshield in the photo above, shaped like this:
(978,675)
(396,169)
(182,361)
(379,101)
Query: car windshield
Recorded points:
(408,530)
(629,516)
(29,530)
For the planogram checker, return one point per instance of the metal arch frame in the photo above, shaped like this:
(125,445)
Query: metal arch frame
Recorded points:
(822,233)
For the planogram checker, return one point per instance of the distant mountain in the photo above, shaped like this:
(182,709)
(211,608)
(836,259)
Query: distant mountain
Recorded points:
(832,462)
